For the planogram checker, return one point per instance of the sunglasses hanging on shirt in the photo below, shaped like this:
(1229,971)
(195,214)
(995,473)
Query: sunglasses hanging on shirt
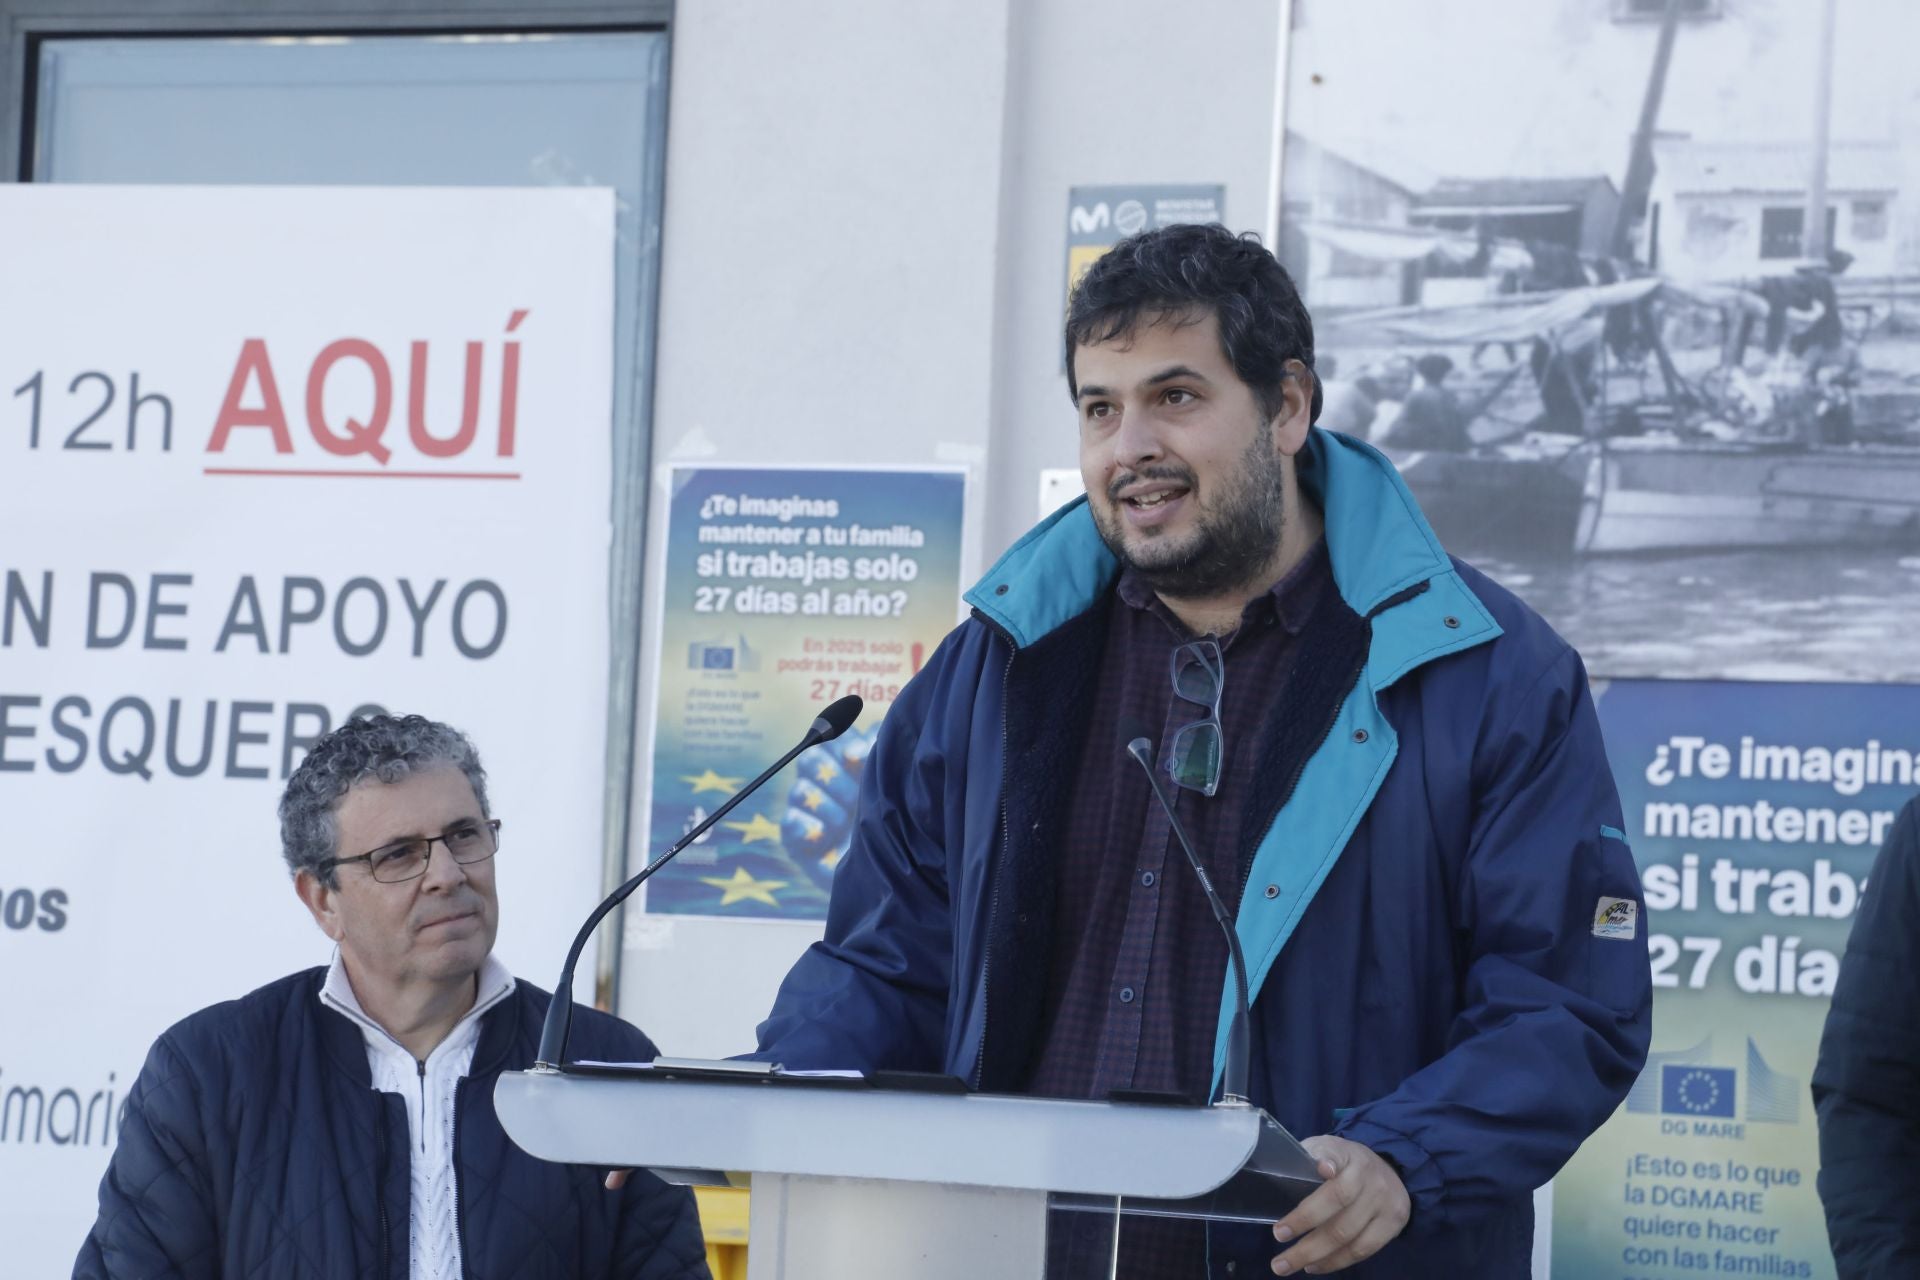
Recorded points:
(1194,752)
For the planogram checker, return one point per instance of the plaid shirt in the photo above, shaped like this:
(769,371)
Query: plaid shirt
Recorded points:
(1138,960)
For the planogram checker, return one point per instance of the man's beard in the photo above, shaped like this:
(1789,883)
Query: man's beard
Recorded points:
(1235,536)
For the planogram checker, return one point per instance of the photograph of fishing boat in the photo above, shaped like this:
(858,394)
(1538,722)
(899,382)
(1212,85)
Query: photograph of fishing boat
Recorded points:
(1630,292)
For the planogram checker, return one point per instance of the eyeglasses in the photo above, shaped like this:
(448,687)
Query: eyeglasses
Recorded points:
(1193,756)
(407,859)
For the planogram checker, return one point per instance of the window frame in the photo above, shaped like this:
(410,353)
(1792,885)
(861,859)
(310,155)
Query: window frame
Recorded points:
(25,24)
(1798,213)
(1869,219)
(1655,10)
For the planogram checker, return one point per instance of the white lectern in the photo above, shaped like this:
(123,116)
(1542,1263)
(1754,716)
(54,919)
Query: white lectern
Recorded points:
(851,1178)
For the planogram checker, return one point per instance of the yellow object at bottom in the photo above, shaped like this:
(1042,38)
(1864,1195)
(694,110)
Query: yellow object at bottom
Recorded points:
(723,1220)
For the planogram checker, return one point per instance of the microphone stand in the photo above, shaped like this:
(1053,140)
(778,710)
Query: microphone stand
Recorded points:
(830,724)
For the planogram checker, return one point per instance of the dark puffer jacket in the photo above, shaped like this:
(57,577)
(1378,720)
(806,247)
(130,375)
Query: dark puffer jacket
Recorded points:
(254,1145)
(1866,1085)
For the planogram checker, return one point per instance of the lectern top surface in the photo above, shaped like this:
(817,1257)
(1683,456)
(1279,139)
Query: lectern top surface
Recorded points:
(843,1127)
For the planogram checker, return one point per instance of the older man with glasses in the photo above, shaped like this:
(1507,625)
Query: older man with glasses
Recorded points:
(339,1122)
(1390,767)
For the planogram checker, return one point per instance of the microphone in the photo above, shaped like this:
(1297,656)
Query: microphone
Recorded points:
(1233,1085)
(828,725)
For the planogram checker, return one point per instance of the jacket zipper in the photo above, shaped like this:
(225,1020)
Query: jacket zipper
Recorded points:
(1300,767)
(1006,843)
(422,1065)
(1293,783)
(380,1191)
(459,1190)
(1247,870)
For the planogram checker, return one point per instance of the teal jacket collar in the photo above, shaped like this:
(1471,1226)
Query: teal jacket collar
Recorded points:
(1380,544)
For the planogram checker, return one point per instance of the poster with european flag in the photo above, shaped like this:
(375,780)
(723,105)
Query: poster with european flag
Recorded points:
(1754,811)
(786,589)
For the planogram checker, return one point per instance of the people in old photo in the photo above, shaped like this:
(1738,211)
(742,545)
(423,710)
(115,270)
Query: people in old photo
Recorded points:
(1667,379)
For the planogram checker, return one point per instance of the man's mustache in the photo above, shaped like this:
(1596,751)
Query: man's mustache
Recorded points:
(1178,475)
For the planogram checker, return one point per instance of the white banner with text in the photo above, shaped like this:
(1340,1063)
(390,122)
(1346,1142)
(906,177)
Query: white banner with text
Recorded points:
(269,456)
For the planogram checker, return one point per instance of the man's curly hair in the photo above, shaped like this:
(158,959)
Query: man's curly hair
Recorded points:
(1186,272)
(378,748)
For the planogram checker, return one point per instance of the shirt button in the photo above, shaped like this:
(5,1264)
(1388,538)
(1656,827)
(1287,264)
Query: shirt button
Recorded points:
(1146,878)
(1126,995)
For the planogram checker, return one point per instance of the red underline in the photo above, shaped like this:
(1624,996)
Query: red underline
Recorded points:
(367,475)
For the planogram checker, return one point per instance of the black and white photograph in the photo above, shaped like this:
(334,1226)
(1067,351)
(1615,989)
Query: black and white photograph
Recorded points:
(1629,290)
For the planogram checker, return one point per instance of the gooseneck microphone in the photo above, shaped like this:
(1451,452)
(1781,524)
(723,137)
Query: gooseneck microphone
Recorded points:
(1233,1084)
(830,724)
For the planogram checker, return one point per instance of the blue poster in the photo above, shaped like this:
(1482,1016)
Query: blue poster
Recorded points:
(786,589)
(1755,812)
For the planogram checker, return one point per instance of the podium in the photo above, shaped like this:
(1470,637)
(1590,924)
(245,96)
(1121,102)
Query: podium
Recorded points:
(899,1176)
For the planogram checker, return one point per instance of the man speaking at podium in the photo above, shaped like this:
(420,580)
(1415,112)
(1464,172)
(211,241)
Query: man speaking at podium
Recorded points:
(340,1122)
(1391,768)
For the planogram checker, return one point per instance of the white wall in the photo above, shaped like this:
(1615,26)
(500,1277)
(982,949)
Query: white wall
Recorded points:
(863,262)
(827,296)
(1108,91)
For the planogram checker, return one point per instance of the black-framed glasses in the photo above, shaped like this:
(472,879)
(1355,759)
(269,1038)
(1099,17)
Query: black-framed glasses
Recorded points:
(1193,754)
(407,859)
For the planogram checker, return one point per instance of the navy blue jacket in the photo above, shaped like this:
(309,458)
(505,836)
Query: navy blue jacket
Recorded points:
(1434,834)
(254,1145)
(1866,1084)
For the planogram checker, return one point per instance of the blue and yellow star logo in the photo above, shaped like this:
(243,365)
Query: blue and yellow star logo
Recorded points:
(711,781)
(743,887)
(756,828)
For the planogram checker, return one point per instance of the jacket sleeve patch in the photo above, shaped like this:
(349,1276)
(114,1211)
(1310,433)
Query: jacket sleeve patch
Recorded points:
(1616,918)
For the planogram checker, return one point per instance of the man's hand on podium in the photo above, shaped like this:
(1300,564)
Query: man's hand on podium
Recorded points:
(1361,1207)
(617,1178)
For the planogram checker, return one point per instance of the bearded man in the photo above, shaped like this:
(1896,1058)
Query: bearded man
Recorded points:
(1391,767)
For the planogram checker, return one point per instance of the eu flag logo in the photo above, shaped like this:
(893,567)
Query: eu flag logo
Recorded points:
(1687,1090)
(706,656)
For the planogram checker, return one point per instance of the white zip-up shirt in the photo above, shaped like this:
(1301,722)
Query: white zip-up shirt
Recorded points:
(433,1235)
